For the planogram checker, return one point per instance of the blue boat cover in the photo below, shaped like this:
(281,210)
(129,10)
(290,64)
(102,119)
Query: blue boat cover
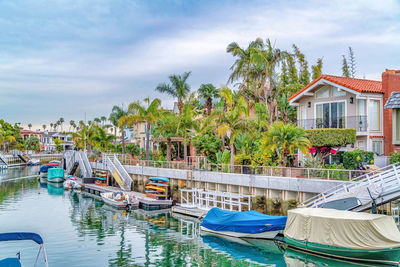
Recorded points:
(45,168)
(10,262)
(251,222)
(21,236)
(159,179)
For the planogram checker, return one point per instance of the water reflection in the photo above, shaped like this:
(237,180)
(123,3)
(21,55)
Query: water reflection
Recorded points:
(74,224)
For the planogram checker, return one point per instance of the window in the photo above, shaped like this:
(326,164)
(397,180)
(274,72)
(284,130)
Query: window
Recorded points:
(361,145)
(303,116)
(374,115)
(323,93)
(377,147)
(396,126)
(337,92)
(330,115)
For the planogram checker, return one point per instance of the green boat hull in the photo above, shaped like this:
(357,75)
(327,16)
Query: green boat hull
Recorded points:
(390,256)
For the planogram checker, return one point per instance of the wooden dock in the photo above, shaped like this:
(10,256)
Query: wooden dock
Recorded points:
(192,212)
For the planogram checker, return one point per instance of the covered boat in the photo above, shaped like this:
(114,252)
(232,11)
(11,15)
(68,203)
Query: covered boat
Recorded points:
(45,168)
(56,175)
(17,236)
(243,224)
(344,234)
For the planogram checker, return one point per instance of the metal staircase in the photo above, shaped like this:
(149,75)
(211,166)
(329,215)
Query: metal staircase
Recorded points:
(84,164)
(119,173)
(3,162)
(382,186)
(24,157)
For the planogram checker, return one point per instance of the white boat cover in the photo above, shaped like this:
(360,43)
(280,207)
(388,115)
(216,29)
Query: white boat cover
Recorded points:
(347,229)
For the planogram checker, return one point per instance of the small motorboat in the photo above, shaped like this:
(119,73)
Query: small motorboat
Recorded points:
(250,224)
(346,235)
(55,175)
(33,162)
(43,171)
(16,261)
(120,199)
(71,184)
(57,162)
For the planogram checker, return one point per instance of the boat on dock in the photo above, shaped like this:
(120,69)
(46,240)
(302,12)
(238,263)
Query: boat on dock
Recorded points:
(55,175)
(250,224)
(357,236)
(21,236)
(120,200)
(43,171)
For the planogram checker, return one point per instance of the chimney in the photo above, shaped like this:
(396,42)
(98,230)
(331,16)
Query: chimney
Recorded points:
(390,83)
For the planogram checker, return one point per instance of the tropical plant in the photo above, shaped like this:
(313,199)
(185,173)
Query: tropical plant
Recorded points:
(148,113)
(32,143)
(71,125)
(285,140)
(207,92)
(166,128)
(101,139)
(58,142)
(30,126)
(60,123)
(188,125)
(116,113)
(44,126)
(178,88)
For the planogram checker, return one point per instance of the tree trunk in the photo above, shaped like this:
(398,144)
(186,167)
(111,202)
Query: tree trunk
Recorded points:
(209,105)
(232,157)
(179,150)
(123,141)
(168,149)
(180,105)
(223,143)
(185,153)
(147,140)
(115,134)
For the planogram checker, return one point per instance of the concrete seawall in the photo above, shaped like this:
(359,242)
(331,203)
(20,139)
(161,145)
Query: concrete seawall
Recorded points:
(271,187)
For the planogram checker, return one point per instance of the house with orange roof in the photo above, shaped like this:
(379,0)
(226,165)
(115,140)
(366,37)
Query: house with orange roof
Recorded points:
(340,102)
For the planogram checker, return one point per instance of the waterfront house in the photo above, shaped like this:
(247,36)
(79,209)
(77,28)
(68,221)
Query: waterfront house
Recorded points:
(25,134)
(49,144)
(340,102)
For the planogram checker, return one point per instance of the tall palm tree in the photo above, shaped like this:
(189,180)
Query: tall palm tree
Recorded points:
(187,124)
(178,88)
(148,113)
(97,120)
(257,63)
(116,113)
(103,119)
(208,92)
(71,125)
(284,140)
(51,126)
(44,126)
(30,126)
(60,123)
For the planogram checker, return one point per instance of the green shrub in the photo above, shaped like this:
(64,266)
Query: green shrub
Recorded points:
(351,159)
(336,175)
(394,157)
(331,137)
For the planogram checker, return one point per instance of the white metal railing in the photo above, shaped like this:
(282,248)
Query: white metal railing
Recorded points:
(84,164)
(112,163)
(87,164)
(396,215)
(3,160)
(208,199)
(387,178)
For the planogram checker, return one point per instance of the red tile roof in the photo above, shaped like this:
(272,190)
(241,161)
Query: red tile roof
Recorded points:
(359,85)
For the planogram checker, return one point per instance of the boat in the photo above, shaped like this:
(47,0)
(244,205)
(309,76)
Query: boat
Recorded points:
(120,199)
(250,224)
(33,162)
(55,175)
(71,184)
(19,236)
(357,236)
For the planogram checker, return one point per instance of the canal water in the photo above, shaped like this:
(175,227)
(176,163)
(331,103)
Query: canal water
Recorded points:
(79,230)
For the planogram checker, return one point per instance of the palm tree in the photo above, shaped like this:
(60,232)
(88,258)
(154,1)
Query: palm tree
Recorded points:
(60,123)
(178,88)
(208,92)
(256,63)
(116,113)
(166,127)
(187,124)
(102,139)
(30,126)
(51,126)
(97,120)
(44,126)
(148,113)
(284,140)
(71,124)
(103,119)
(84,135)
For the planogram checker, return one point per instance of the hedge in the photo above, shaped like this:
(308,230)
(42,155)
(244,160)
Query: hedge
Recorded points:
(331,137)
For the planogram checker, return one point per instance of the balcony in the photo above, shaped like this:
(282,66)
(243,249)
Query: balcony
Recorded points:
(360,123)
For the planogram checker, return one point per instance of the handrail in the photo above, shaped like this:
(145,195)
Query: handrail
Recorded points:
(87,164)
(3,159)
(82,166)
(125,175)
(111,166)
(377,178)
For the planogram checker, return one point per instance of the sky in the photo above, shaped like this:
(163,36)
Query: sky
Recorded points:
(68,58)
